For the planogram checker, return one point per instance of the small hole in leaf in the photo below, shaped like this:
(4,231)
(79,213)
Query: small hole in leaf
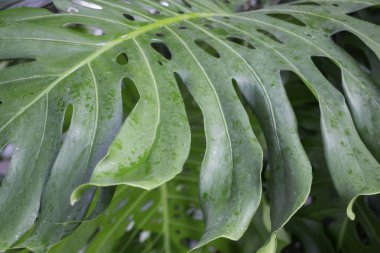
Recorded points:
(330,70)
(195,213)
(270,35)
(160,62)
(87,29)
(130,226)
(182,27)
(181,188)
(361,233)
(121,204)
(212,249)
(164,3)
(196,120)
(153,11)
(186,3)
(147,205)
(209,26)
(287,18)
(143,236)
(129,16)
(122,59)
(307,3)
(359,51)
(6,63)
(240,42)
(241,92)
(369,14)
(6,154)
(160,35)
(303,103)
(189,243)
(226,18)
(207,48)
(130,96)
(336,5)
(162,49)
(67,118)
(87,4)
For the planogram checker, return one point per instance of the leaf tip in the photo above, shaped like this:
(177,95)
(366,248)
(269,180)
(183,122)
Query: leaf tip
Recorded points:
(350,213)
(78,193)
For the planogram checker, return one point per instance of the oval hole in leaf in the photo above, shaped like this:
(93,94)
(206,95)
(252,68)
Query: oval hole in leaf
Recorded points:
(287,18)
(354,46)
(87,4)
(369,14)
(147,205)
(130,96)
(239,89)
(209,26)
(129,16)
(67,118)
(330,70)
(361,233)
(143,236)
(6,154)
(195,213)
(240,42)
(307,3)
(87,29)
(164,3)
(303,101)
(207,48)
(196,120)
(187,4)
(6,63)
(153,11)
(162,49)
(270,35)
(189,243)
(122,59)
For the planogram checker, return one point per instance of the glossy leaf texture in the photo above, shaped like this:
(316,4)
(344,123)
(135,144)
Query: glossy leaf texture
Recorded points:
(166,219)
(62,110)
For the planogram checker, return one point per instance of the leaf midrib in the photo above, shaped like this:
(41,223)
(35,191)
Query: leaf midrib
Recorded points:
(103,49)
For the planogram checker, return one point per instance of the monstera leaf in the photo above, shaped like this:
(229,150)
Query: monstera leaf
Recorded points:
(61,109)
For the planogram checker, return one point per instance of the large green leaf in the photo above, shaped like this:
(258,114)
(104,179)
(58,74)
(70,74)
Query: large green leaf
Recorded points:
(78,59)
(167,219)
